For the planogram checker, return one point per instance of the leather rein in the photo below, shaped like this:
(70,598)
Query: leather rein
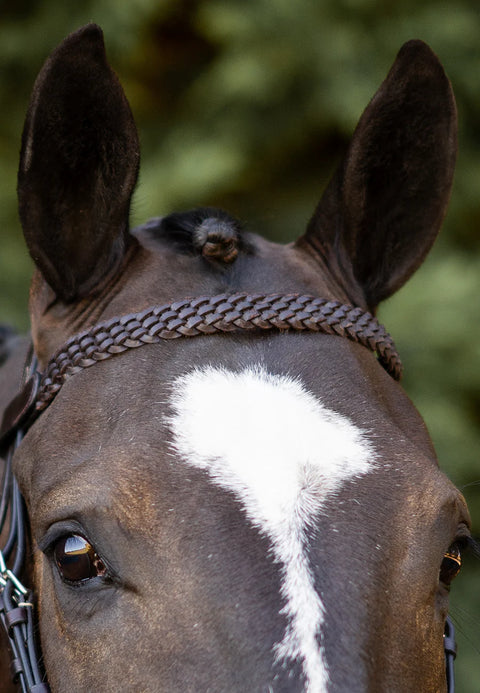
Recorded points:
(192,317)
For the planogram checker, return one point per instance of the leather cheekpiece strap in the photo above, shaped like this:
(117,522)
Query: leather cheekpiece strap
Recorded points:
(19,411)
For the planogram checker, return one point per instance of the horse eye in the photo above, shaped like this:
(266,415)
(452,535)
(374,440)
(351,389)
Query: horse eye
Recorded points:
(77,560)
(451,564)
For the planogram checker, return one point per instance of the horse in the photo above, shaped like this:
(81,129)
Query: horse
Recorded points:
(226,487)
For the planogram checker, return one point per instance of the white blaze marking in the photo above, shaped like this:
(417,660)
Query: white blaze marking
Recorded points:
(282,454)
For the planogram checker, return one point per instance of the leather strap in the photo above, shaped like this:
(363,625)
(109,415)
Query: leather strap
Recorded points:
(19,411)
(209,315)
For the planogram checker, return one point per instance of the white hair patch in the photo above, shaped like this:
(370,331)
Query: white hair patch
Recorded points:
(282,453)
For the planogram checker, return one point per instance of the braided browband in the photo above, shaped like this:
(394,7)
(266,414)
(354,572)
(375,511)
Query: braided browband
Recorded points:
(210,315)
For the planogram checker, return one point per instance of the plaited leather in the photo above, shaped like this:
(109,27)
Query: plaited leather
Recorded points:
(217,314)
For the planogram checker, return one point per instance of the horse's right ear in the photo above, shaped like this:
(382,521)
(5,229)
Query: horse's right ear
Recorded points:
(78,167)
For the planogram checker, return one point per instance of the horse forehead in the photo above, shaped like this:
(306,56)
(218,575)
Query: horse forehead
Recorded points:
(272,444)
(284,454)
(266,438)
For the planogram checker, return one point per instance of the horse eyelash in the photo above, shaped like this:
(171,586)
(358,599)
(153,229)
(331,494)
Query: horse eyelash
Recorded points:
(472,544)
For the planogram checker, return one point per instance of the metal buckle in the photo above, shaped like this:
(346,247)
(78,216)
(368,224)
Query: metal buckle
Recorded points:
(7,575)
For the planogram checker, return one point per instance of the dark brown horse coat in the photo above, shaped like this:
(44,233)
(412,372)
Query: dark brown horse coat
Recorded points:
(261,512)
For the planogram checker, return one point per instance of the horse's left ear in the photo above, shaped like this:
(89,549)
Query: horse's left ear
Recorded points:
(382,211)
(78,167)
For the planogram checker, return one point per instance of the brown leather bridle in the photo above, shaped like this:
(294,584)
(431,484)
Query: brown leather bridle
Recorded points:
(16,601)
(189,318)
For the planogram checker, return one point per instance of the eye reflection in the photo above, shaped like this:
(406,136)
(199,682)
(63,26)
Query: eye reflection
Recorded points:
(77,560)
(451,564)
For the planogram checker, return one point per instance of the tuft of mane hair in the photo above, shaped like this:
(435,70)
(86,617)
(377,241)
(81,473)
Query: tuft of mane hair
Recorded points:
(206,231)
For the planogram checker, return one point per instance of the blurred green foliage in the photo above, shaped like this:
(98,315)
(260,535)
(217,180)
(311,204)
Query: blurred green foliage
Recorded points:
(248,105)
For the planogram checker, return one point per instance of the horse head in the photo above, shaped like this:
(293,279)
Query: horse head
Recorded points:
(250,509)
